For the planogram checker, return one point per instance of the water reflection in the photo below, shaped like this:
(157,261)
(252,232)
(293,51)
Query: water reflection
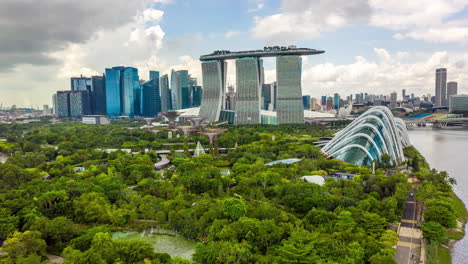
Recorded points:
(447,149)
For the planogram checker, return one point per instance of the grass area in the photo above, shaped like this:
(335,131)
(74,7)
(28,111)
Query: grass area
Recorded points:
(459,207)
(438,255)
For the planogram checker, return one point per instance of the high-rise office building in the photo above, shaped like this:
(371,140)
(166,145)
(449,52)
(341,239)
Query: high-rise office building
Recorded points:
(393,100)
(441,87)
(80,83)
(249,81)
(314,104)
(98,95)
(165,93)
(403,94)
(336,101)
(323,100)
(214,81)
(62,104)
(306,101)
(123,91)
(131,92)
(329,103)
(150,98)
(459,103)
(196,95)
(180,92)
(113,91)
(54,104)
(289,108)
(72,104)
(452,89)
(79,103)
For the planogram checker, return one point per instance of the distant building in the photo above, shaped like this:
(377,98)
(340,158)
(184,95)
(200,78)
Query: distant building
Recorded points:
(458,103)
(323,100)
(306,102)
(441,87)
(98,95)
(314,105)
(452,89)
(393,100)
(329,104)
(150,98)
(180,92)
(79,103)
(95,120)
(62,104)
(289,106)
(165,93)
(336,101)
(403,94)
(80,83)
(72,104)
(249,82)
(123,92)
(196,95)
(230,99)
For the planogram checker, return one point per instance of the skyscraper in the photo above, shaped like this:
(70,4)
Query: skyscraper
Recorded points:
(62,104)
(323,100)
(289,94)
(79,103)
(72,104)
(441,87)
(180,91)
(113,91)
(196,95)
(452,89)
(336,101)
(249,81)
(130,92)
(306,101)
(403,94)
(393,100)
(98,95)
(214,81)
(150,98)
(80,83)
(165,93)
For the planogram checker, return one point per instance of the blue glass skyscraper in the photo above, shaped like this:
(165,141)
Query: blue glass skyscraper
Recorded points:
(336,101)
(306,101)
(122,91)
(113,91)
(150,98)
(130,91)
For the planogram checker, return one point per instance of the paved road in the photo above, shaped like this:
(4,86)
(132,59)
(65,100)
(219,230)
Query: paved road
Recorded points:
(409,236)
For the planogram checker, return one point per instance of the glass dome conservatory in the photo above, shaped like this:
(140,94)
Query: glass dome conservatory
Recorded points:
(368,137)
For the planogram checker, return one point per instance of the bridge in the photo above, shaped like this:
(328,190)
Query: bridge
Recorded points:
(436,120)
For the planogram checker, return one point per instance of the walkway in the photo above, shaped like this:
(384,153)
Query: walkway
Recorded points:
(409,235)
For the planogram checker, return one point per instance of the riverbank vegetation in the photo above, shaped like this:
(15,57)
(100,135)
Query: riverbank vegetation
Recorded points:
(253,214)
(444,213)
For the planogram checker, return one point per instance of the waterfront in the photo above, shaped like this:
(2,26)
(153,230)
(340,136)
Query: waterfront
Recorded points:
(447,149)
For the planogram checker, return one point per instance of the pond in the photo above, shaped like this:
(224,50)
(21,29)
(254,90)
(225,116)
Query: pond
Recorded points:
(163,241)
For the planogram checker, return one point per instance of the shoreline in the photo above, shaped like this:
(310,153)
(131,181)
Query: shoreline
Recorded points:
(443,252)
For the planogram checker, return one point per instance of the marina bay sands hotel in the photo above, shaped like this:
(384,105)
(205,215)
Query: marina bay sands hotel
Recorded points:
(249,76)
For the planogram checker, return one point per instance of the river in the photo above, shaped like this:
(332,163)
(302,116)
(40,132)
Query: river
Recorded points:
(447,150)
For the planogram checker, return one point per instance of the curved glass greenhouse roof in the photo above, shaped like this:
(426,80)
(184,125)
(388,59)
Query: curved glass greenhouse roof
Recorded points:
(368,137)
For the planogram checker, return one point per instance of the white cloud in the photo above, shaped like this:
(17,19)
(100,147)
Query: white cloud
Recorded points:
(387,74)
(260,5)
(231,33)
(304,19)
(421,19)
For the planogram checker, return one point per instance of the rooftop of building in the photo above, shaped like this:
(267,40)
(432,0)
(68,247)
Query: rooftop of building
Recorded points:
(266,52)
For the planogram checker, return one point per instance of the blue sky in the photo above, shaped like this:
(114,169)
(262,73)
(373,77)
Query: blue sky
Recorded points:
(374,46)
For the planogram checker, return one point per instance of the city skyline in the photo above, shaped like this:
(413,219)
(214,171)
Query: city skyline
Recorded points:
(388,47)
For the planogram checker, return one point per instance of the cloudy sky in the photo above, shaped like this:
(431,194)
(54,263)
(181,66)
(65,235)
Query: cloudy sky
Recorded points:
(374,46)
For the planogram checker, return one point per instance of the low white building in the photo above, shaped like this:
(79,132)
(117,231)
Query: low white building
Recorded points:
(95,120)
(317,179)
